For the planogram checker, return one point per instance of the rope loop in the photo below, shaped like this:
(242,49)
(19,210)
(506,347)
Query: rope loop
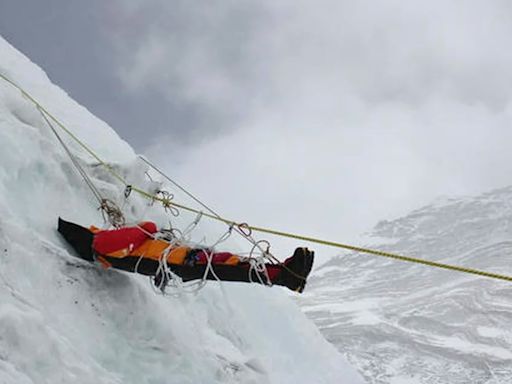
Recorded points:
(257,246)
(171,235)
(128,191)
(112,213)
(257,263)
(166,199)
(244,229)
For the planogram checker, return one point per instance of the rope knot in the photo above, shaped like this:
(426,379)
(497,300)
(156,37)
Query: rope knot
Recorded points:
(166,198)
(112,213)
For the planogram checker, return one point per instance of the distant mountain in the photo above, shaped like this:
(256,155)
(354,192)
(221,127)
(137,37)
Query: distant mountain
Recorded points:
(404,323)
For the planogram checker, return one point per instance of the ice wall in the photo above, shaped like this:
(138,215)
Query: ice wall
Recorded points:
(65,321)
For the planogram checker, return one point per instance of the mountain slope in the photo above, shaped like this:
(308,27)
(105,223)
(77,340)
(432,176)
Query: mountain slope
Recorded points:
(405,323)
(65,321)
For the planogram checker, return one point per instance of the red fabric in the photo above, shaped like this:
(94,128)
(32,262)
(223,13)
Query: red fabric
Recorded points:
(220,257)
(110,241)
(273,272)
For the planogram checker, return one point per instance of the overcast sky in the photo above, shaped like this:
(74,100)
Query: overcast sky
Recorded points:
(320,117)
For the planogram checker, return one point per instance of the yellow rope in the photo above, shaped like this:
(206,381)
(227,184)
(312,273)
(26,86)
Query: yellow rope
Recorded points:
(254,228)
(385,254)
(350,247)
(62,126)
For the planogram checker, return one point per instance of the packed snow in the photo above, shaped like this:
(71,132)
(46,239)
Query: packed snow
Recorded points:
(405,323)
(66,321)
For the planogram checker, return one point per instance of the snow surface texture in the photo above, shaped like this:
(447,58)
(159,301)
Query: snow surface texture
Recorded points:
(65,321)
(406,323)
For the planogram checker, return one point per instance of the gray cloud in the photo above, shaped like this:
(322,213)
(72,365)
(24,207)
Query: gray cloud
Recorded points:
(241,52)
(74,41)
(196,54)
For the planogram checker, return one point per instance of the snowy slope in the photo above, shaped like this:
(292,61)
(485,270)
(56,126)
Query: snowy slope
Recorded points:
(65,321)
(404,323)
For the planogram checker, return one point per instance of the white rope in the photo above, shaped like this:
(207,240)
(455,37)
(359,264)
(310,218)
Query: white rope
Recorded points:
(163,269)
(168,277)
(109,209)
(195,287)
(246,236)
(257,264)
(209,257)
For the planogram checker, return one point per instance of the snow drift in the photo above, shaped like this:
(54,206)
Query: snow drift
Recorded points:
(65,321)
